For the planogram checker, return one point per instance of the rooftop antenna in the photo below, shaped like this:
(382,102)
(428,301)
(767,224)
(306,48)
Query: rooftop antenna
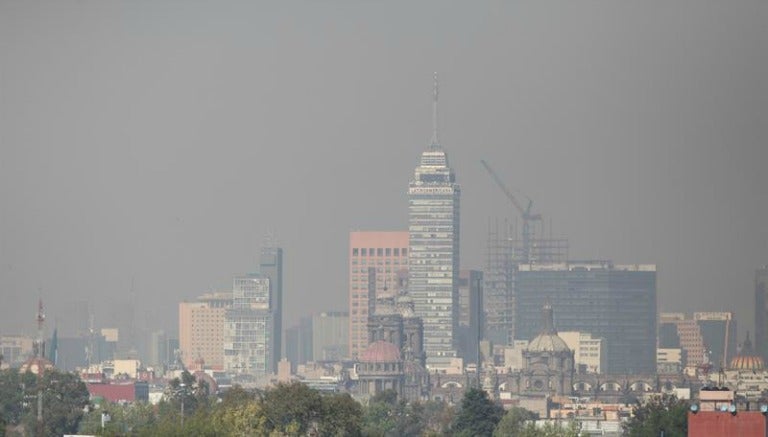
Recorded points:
(435,141)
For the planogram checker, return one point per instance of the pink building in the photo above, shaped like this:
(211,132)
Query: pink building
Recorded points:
(377,263)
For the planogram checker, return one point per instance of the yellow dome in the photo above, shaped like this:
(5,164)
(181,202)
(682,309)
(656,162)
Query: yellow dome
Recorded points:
(742,362)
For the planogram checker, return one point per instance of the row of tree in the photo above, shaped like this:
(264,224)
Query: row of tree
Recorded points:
(285,410)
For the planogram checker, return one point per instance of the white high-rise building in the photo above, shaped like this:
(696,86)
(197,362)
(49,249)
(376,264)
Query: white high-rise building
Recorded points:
(433,257)
(250,328)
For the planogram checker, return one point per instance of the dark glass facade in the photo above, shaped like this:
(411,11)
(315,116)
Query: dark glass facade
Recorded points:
(615,303)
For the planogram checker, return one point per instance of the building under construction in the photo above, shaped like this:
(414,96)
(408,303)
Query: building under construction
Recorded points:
(506,251)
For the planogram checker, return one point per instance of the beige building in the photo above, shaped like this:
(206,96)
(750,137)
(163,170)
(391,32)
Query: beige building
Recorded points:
(201,329)
(589,352)
(378,263)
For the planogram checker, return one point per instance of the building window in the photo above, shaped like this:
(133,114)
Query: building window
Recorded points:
(380,252)
(397,251)
(355,252)
(363,252)
(388,252)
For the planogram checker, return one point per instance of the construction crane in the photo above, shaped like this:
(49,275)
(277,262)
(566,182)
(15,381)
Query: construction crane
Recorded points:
(525,213)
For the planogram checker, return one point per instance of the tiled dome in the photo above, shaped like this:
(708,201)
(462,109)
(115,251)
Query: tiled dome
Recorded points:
(746,359)
(380,352)
(741,362)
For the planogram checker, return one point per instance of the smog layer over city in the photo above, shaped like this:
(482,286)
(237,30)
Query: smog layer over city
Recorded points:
(487,174)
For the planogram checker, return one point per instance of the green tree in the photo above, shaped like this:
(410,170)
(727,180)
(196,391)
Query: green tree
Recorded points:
(478,415)
(11,396)
(568,429)
(291,408)
(660,413)
(341,416)
(64,397)
(378,420)
(513,422)
(437,417)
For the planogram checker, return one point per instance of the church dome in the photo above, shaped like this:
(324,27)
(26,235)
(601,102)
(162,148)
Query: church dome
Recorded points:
(548,343)
(380,352)
(746,359)
(741,362)
(548,340)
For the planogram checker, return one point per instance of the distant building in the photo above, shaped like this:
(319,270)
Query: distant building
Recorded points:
(718,332)
(158,349)
(548,363)
(377,261)
(678,331)
(271,266)
(249,341)
(589,352)
(709,338)
(330,331)
(614,302)
(761,312)
(471,317)
(201,329)
(670,360)
(298,343)
(433,257)
(15,349)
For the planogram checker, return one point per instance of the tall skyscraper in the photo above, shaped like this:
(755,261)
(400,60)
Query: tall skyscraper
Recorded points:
(377,261)
(201,329)
(761,312)
(614,302)
(433,258)
(250,330)
(271,266)
(471,320)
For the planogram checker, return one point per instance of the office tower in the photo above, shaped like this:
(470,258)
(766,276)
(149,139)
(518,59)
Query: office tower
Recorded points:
(271,266)
(201,329)
(470,314)
(718,334)
(761,312)
(377,262)
(298,342)
(250,328)
(158,348)
(613,302)
(330,331)
(433,258)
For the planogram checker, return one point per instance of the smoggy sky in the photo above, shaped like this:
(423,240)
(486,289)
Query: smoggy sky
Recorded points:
(152,145)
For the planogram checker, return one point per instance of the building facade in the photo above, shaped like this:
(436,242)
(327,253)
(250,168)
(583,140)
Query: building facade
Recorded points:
(271,266)
(330,331)
(433,258)
(614,302)
(588,352)
(678,331)
(761,312)
(250,327)
(718,333)
(201,329)
(471,315)
(377,262)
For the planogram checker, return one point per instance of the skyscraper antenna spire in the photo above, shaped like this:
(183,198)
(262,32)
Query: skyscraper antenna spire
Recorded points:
(435,141)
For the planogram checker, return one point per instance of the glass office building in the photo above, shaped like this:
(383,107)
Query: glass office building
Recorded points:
(616,303)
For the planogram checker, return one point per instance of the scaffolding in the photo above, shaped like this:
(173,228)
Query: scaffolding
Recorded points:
(505,253)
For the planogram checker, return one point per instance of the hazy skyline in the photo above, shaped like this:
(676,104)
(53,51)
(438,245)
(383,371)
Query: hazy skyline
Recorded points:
(156,143)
